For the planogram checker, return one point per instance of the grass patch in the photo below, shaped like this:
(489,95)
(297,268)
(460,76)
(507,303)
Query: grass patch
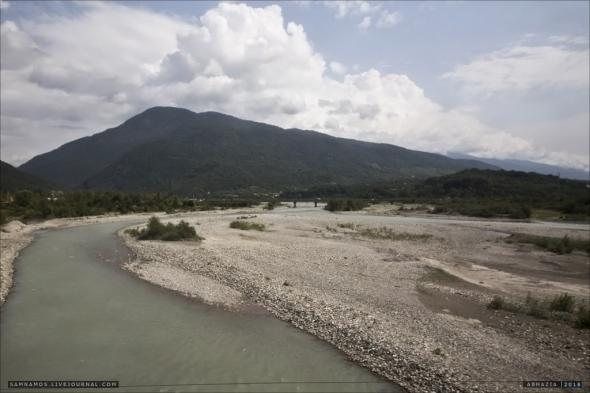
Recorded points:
(381,233)
(156,230)
(561,307)
(247,226)
(563,302)
(564,245)
(384,233)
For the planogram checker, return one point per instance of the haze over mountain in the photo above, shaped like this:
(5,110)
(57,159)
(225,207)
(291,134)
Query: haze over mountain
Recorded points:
(528,166)
(12,179)
(173,149)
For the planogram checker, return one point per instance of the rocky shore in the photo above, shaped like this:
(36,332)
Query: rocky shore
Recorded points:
(365,296)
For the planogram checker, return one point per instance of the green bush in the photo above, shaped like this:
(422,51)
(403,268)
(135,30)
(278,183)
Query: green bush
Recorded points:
(563,302)
(247,225)
(497,303)
(155,230)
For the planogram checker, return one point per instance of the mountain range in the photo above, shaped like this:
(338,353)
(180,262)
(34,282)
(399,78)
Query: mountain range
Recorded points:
(528,166)
(12,179)
(170,149)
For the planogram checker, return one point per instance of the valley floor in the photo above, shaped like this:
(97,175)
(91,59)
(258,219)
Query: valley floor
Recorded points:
(408,301)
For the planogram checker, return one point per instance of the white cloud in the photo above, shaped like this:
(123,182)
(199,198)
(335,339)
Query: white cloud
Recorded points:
(367,11)
(344,8)
(568,39)
(64,77)
(4,4)
(365,23)
(337,68)
(520,68)
(388,19)
(303,3)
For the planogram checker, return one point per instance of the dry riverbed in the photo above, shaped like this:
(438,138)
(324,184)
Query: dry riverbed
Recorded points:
(408,301)
(410,306)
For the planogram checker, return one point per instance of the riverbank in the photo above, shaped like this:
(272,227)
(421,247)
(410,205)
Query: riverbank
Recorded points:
(15,236)
(385,303)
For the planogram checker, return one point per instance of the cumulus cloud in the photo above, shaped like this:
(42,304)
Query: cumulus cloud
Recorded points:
(70,76)
(337,68)
(522,67)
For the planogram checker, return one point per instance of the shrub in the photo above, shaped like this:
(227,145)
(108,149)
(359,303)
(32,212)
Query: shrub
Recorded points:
(155,230)
(497,303)
(133,232)
(563,302)
(247,225)
(564,245)
(271,205)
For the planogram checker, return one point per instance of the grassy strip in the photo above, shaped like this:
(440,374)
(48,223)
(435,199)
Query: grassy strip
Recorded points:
(564,245)
(247,225)
(384,233)
(561,307)
(168,232)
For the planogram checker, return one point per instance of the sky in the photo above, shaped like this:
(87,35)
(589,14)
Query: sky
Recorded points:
(492,79)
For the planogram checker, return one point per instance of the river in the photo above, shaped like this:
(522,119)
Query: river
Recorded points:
(73,314)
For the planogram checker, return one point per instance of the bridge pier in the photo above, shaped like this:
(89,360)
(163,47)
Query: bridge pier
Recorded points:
(294,203)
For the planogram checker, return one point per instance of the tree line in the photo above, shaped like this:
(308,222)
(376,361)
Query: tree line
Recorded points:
(28,205)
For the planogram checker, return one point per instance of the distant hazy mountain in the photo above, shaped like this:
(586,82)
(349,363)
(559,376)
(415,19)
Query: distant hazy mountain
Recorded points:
(528,166)
(12,179)
(172,149)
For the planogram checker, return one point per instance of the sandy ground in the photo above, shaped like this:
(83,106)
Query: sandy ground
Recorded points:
(381,302)
(14,236)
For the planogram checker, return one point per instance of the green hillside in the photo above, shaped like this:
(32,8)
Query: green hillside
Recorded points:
(175,150)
